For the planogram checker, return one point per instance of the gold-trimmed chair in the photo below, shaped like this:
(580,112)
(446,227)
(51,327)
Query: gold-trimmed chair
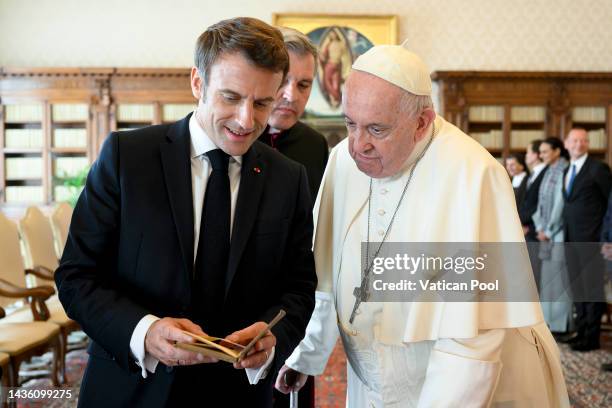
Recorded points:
(60,224)
(39,248)
(4,366)
(13,271)
(4,361)
(23,340)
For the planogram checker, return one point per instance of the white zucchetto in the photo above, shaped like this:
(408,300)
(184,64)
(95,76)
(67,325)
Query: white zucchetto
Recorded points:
(397,65)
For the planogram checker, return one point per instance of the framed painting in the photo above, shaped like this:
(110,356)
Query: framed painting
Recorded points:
(340,39)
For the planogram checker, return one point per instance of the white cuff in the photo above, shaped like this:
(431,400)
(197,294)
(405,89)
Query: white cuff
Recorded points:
(311,355)
(256,374)
(137,345)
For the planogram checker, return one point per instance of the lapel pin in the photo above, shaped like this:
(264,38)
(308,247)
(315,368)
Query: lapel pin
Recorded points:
(257,170)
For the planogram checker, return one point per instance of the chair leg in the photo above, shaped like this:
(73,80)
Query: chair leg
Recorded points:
(57,355)
(13,374)
(4,384)
(64,352)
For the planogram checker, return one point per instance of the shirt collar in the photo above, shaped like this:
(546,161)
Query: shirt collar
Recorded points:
(200,142)
(518,179)
(580,161)
(538,168)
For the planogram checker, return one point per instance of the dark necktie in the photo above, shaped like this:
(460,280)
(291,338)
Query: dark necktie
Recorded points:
(214,243)
(570,183)
(274,138)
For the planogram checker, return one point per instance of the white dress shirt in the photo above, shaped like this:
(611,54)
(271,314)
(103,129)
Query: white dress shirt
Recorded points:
(518,179)
(535,172)
(200,171)
(578,163)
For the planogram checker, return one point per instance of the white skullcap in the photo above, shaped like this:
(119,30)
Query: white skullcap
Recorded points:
(397,65)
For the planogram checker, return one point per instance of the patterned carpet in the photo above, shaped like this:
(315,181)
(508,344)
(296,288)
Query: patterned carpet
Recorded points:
(588,386)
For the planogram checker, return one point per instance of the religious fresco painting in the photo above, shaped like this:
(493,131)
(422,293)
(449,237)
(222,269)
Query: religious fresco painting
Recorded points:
(340,40)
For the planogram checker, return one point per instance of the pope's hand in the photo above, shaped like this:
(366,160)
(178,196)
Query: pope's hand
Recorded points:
(287,376)
(159,342)
(259,354)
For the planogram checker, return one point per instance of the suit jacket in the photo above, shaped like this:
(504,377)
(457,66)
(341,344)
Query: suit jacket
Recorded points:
(519,192)
(306,146)
(606,231)
(130,253)
(529,205)
(586,204)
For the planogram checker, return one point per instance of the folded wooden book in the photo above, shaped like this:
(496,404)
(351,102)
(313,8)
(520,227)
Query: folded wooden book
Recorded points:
(223,349)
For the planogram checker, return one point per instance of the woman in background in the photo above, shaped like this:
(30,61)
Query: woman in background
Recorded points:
(548,220)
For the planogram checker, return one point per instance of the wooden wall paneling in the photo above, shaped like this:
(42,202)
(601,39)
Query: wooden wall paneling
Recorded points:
(2,182)
(157,113)
(559,92)
(103,118)
(149,86)
(47,176)
(506,128)
(609,128)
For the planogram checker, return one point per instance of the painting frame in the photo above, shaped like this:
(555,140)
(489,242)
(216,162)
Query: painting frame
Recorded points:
(370,30)
(380,29)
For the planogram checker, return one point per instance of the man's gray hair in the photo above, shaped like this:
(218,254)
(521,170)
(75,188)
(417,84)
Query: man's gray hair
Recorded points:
(414,105)
(297,42)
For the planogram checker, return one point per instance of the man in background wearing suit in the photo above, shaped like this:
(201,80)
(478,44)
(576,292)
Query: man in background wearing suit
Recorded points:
(297,140)
(586,188)
(529,204)
(286,133)
(519,174)
(194,226)
(606,251)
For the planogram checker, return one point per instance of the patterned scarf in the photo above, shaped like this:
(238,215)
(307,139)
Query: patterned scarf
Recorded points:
(552,181)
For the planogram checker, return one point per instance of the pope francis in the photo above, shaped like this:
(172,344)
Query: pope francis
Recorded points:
(406,175)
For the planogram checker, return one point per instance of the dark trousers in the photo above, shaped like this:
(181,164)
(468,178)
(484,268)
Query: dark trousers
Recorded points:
(588,320)
(533,248)
(586,271)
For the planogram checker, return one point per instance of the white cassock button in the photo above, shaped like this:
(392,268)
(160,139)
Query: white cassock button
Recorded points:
(381,232)
(381,212)
(383,191)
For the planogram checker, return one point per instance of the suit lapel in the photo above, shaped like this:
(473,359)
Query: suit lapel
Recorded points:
(247,204)
(176,163)
(580,177)
(563,183)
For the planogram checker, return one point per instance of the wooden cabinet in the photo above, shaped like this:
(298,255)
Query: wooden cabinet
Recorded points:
(504,111)
(53,122)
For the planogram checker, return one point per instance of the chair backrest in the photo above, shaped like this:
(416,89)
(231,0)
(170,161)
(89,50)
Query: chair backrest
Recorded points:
(37,237)
(11,262)
(60,223)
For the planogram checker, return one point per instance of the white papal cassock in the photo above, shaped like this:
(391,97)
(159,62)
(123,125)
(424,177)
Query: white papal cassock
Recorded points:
(432,354)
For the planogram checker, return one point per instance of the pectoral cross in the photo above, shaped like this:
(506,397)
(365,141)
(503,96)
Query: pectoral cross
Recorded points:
(361,294)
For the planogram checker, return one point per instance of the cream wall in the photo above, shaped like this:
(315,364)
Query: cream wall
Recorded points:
(448,34)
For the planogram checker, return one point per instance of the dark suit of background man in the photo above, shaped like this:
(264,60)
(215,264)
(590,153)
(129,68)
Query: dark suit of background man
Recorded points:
(517,169)
(586,188)
(529,204)
(152,247)
(606,251)
(297,140)
(285,132)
